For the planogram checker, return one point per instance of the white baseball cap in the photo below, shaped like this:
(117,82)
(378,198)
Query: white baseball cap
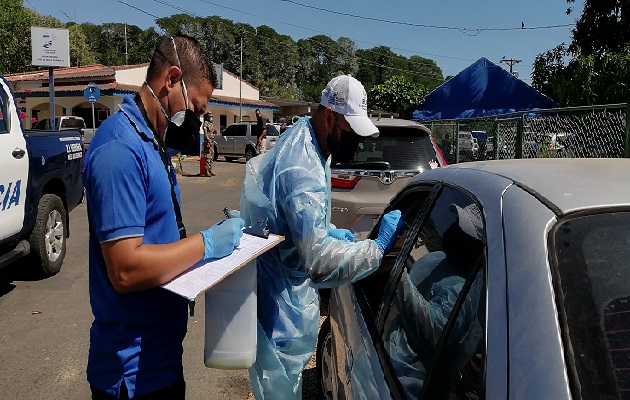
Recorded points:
(347,96)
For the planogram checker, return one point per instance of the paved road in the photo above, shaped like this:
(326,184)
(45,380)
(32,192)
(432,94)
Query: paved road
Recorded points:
(44,333)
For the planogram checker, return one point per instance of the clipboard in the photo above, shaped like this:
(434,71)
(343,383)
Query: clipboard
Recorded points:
(207,273)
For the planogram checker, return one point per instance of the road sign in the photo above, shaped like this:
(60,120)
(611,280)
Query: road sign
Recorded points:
(92,93)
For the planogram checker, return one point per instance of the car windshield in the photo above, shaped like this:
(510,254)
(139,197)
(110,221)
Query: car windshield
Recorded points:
(592,255)
(402,148)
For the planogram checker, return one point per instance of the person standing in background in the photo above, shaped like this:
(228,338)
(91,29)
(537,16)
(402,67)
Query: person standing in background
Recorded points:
(208,142)
(261,130)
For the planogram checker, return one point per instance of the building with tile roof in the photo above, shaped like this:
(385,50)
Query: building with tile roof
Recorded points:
(233,102)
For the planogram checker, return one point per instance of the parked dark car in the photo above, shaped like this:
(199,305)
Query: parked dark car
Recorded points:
(509,281)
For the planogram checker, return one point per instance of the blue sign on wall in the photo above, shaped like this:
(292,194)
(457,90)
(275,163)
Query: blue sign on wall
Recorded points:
(91,92)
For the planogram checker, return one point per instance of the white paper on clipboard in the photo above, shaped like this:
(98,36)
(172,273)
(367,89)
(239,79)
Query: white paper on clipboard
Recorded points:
(208,273)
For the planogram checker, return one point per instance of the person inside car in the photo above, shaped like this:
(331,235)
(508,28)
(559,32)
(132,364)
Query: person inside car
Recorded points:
(427,295)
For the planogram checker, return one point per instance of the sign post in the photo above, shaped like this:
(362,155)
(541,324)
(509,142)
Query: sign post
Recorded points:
(92,93)
(50,47)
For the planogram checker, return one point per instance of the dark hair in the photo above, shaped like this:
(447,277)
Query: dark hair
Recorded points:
(257,110)
(194,64)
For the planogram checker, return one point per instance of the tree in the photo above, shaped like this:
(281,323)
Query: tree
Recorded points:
(80,52)
(15,34)
(597,73)
(396,94)
(603,27)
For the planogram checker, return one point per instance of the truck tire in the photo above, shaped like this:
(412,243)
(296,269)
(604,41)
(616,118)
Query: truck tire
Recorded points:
(48,239)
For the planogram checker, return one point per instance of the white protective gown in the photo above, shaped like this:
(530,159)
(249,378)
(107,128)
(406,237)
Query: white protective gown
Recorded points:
(290,186)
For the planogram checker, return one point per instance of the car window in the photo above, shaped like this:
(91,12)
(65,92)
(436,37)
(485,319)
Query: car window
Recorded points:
(230,131)
(272,131)
(241,130)
(402,148)
(370,289)
(591,255)
(72,123)
(4,125)
(434,318)
(41,125)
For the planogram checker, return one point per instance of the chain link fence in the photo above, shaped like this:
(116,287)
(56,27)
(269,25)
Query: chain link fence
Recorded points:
(576,132)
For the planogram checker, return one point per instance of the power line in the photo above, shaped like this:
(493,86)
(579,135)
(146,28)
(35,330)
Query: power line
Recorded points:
(258,16)
(254,15)
(462,29)
(139,9)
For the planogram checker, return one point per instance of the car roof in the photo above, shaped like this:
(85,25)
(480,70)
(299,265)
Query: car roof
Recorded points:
(398,123)
(568,184)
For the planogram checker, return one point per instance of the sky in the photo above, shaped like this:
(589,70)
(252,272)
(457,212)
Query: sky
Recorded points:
(452,49)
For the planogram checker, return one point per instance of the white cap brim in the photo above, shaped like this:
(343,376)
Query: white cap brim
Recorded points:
(362,125)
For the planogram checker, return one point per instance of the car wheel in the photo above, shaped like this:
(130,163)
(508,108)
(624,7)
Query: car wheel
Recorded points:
(48,238)
(323,361)
(249,153)
(215,156)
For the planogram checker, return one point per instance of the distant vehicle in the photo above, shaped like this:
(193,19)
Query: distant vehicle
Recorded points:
(485,145)
(40,183)
(380,168)
(509,281)
(68,122)
(239,140)
(467,147)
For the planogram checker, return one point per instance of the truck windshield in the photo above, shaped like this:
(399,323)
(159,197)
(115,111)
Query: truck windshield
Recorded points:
(592,257)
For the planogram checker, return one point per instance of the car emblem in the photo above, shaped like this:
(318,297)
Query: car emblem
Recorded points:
(387,177)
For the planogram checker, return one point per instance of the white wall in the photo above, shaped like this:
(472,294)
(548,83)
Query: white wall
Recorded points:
(132,76)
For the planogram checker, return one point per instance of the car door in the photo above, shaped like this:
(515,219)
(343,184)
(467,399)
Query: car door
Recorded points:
(13,166)
(240,139)
(225,141)
(402,318)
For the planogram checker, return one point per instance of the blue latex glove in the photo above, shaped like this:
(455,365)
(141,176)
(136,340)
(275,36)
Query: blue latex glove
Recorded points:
(391,224)
(222,238)
(341,234)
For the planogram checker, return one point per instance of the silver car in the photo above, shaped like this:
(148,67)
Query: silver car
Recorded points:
(380,168)
(511,280)
(239,140)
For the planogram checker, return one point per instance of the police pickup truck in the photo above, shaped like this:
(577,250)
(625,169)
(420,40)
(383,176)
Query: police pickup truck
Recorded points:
(40,183)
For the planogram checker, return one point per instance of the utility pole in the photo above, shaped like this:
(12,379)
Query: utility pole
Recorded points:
(126,53)
(240,87)
(510,62)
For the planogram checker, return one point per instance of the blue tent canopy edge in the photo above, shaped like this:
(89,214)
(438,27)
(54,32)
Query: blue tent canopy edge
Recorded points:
(482,89)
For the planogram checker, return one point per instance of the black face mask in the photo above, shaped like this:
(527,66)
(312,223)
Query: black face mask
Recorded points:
(343,151)
(184,137)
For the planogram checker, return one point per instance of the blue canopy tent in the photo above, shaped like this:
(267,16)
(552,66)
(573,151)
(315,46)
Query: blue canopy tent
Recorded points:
(480,90)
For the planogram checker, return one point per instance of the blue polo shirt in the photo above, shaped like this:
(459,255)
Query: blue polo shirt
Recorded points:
(136,337)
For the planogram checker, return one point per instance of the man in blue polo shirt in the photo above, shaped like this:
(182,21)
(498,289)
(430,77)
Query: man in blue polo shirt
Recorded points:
(137,239)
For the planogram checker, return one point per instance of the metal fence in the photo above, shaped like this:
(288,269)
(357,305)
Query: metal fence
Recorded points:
(576,132)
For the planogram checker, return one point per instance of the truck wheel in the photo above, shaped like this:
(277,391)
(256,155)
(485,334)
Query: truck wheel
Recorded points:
(48,239)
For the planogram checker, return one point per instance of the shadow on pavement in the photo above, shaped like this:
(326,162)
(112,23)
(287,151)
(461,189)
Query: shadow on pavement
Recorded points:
(23,269)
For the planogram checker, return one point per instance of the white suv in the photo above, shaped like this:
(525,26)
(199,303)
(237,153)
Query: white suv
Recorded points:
(239,140)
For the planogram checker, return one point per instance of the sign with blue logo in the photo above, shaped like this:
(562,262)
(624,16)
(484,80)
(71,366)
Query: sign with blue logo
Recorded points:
(92,93)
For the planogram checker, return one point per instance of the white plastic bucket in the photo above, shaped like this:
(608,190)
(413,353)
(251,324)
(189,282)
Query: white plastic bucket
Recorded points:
(230,340)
